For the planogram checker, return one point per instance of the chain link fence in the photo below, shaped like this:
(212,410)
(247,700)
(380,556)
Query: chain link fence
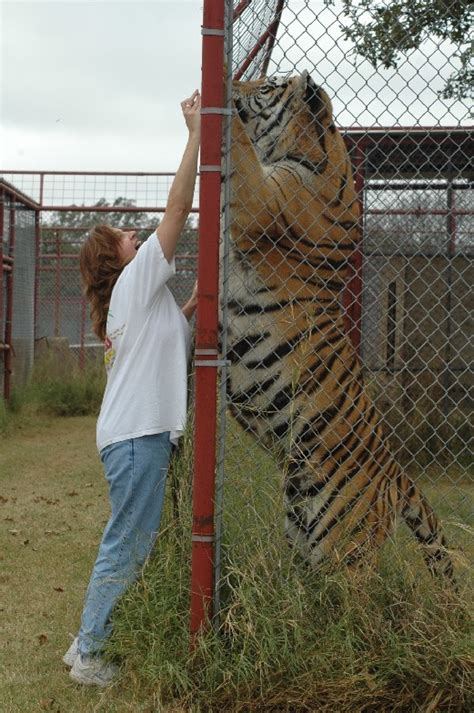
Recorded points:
(70,204)
(347,401)
(337,325)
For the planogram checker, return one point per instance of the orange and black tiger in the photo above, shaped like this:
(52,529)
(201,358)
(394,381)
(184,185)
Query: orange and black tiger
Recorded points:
(296,380)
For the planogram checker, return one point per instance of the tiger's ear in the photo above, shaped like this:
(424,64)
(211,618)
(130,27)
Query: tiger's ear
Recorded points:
(312,95)
(316,98)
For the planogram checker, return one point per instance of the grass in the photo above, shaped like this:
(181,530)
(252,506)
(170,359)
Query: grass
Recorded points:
(53,505)
(58,387)
(384,638)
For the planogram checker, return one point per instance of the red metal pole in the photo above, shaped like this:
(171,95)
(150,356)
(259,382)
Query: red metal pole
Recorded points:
(41,192)
(202,560)
(2,332)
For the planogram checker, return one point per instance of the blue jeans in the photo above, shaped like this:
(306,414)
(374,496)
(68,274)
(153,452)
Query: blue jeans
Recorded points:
(136,472)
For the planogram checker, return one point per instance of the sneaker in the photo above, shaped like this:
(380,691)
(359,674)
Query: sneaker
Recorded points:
(72,653)
(92,671)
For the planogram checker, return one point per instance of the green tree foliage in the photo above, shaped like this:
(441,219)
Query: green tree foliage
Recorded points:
(64,231)
(382,31)
(67,229)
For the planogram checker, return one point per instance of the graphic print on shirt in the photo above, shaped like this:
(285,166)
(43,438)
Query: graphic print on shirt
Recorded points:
(109,349)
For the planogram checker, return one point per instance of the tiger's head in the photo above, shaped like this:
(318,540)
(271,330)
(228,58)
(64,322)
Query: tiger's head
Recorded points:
(286,119)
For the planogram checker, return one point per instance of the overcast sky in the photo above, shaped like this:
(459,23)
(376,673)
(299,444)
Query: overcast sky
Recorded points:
(97,85)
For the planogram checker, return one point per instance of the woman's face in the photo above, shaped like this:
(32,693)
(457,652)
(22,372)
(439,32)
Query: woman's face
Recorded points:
(128,244)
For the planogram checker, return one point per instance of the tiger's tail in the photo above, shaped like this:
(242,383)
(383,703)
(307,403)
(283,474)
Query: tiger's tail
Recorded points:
(422,521)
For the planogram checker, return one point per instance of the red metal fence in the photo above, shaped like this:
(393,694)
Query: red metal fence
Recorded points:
(65,205)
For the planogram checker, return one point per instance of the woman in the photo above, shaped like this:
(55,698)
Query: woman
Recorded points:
(143,411)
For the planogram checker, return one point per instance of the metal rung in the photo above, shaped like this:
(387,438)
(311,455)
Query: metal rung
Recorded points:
(226,111)
(205,352)
(210,31)
(212,362)
(202,538)
(209,169)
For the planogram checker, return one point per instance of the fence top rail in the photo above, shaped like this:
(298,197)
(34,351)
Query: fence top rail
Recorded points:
(105,209)
(13,192)
(377,130)
(88,173)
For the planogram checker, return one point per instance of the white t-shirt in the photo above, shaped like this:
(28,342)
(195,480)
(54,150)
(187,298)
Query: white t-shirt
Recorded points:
(145,353)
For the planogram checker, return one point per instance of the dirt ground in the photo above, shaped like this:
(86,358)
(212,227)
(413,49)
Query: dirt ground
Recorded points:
(53,506)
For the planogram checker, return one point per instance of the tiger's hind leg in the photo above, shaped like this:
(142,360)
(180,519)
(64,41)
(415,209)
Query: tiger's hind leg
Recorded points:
(422,521)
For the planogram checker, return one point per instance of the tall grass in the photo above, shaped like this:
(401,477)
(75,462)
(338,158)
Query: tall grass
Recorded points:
(385,637)
(58,389)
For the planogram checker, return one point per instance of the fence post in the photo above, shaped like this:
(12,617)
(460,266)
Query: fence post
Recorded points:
(352,296)
(9,303)
(202,559)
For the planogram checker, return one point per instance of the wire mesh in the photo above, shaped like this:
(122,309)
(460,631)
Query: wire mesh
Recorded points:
(70,204)
(348,299)
(18,289)
(255,24)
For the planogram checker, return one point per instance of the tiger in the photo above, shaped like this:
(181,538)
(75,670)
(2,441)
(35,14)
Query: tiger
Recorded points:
(295,380)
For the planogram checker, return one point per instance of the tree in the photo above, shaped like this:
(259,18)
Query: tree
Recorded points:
(68,227)
(382,30)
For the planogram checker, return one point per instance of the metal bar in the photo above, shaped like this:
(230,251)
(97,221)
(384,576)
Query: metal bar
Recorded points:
(2,269)
(418,211)
(13,192)
(9,307)
(37,271)
(252,54)
(206,352)
(220,474)
(84,228)
(215,33)
(391,324)
(57,290)
(367,130)
(202,558)
(451,250)
(41,189)
(415,185)
(243,5)
(75,257)
(216,363)
(418,369)
(107,209)
(274,30)
(352,297)
(88,173)
(82,353)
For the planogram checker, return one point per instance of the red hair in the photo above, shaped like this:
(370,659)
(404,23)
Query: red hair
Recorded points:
(101,265)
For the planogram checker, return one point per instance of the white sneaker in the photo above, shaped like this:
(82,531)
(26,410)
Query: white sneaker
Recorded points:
(92,671)
(72,653)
